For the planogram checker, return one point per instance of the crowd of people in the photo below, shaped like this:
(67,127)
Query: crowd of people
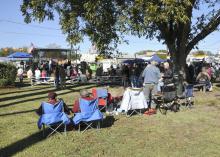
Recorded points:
(204,73)
(130,74)
(57,73)
(152,77)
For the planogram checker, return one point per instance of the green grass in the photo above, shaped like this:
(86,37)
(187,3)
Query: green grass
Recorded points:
(194,132)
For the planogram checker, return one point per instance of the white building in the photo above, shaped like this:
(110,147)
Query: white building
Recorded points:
(91,55)
(88,57)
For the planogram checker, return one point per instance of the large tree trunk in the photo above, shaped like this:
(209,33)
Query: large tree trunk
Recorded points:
(179,64)
(179,70)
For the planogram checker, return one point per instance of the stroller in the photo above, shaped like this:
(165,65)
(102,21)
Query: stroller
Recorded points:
(168,100)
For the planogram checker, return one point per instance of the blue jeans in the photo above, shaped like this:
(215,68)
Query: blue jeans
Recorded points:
(56,82)
(134,81)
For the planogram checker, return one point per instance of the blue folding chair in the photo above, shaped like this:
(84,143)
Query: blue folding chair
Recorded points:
(53,117)
(88,115)
(189,96)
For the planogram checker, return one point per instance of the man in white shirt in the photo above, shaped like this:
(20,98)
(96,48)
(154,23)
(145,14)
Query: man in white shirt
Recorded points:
(30,75)
(37,74)
(20,74)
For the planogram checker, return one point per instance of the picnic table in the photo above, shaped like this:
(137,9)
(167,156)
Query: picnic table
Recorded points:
(42,80)
(109,79)
(200,86)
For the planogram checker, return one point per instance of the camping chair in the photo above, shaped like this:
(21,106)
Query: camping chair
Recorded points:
(53,117)
(188,94)
(168,100)
(133,101)
(89,114)
(102,96)
(137,102)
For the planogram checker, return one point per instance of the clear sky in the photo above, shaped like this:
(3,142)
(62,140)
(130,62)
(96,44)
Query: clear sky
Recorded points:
(15,33)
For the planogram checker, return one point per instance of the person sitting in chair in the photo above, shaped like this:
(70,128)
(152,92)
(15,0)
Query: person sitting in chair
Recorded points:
(52,99)
(203,77)
(84,94)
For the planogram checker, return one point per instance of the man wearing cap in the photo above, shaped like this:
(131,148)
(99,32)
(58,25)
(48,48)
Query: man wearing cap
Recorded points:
(151,75)
(84,94)
(52,99)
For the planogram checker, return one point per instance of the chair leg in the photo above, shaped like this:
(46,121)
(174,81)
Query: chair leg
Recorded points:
(43,130)
(98,125)
(65,129)
(79,127)
(55,130)
(88,126)
(128,115)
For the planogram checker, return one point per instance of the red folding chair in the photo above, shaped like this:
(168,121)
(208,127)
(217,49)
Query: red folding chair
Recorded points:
(102,95)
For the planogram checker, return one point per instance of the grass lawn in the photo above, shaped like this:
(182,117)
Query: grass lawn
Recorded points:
(194,132)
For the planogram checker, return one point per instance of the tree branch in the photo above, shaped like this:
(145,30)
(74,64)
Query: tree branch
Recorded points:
(209,28)
(184,28)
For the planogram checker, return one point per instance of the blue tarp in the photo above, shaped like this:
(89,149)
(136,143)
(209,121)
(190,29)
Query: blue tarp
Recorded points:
(20,55)
(157,59)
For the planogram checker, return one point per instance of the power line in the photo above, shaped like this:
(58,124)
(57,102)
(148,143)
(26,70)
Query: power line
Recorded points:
(36,34)
(30,25)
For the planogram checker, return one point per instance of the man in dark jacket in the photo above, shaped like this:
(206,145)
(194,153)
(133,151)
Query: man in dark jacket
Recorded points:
(168,74)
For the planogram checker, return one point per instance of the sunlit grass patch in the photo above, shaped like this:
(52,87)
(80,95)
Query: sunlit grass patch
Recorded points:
(190,132)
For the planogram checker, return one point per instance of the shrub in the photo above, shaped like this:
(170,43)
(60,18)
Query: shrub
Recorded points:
(8,73)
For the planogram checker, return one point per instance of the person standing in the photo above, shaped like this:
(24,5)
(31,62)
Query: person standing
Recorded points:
(99,73)
(151,75)
(62,74)
(44,75)
(30,75)
(20,74)
(125,76)
(168,74)
(134,76)
(57,77)
(37,74)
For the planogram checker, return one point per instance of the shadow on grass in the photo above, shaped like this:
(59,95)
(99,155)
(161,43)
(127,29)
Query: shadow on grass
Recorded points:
(29,90)
(217,84)
(42,97)
(22,144)
(14,113)
(105,123)
(214,105)
(108,122)
(36,93)
(25,95)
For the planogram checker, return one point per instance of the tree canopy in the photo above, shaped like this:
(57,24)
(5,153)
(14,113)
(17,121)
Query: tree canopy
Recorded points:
(180,24)
(78,18)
